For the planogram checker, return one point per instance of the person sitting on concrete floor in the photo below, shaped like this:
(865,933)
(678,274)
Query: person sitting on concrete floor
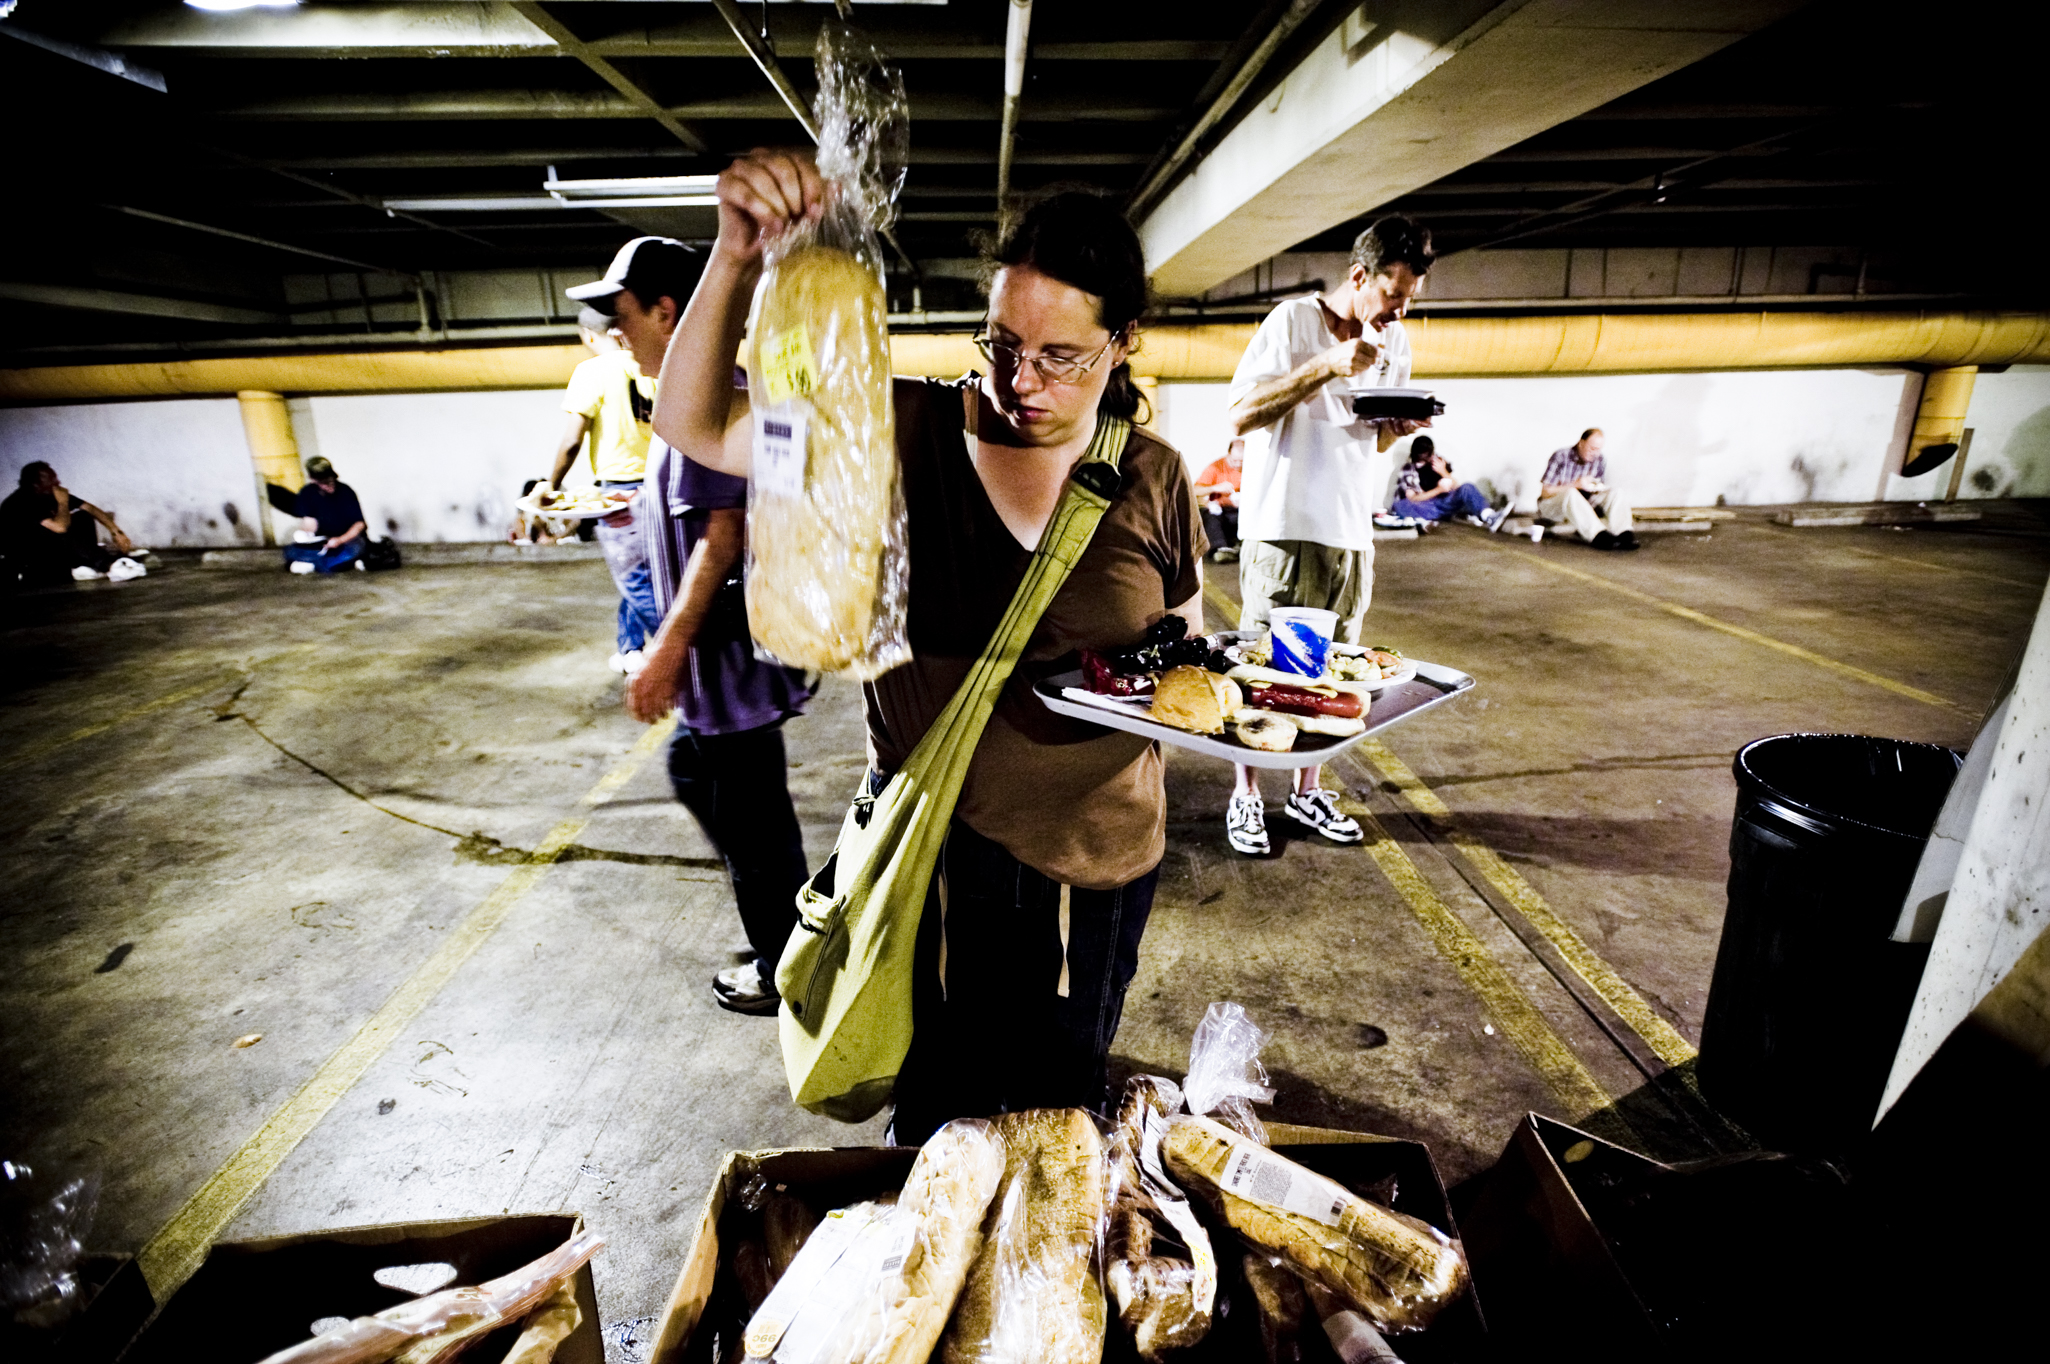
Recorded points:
(330,523)
(1427,489)
(612,397)
(1315,472)
(1217,487)
(1575,490)
(48,535)
(726,760)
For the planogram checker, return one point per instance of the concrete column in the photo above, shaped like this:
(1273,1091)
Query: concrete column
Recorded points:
(273,450)
(1940,416)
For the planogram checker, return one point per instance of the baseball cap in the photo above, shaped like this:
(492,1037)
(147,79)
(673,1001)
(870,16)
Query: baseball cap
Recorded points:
(318,469)
(653,267)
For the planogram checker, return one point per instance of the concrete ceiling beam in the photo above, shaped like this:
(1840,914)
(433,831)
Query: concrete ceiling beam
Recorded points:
(629,89)
(553,104)
(1372,113)
(429,30)
(139,305)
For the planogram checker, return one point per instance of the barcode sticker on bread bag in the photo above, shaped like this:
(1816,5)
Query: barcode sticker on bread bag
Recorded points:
(1259,1176)
(779,449)
(834,1236)
(787,368)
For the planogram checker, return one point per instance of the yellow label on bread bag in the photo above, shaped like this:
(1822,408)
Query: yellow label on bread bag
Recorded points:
(787,368)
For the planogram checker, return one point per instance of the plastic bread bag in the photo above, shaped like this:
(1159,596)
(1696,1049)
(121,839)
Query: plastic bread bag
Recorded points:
(1158,1262)
(1396,1270)
(827,569)
(947,1197)
(816,1311)
(1033,1295)
(442,1325)
(43,1225)
(1279,1301)
(1225,1076)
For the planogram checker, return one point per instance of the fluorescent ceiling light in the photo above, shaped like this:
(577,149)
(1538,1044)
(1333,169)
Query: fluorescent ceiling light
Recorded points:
(518,203)
(698,185)
(241,4)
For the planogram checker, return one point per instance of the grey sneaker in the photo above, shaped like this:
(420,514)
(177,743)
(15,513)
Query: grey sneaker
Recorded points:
(1319,810)
(1494,518)
(1245,824)
(746,989)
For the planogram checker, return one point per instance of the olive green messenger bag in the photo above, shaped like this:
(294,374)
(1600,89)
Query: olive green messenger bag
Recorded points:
(846,974)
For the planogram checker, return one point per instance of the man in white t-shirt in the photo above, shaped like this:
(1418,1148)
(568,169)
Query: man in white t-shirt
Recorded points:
(1315,474)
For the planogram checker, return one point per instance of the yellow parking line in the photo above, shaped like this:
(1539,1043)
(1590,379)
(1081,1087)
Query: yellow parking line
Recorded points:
(175,1252)
(1663,1038)
(1512,1010)
(1223,605)
(1940,568)
(1751,636)
(31,752)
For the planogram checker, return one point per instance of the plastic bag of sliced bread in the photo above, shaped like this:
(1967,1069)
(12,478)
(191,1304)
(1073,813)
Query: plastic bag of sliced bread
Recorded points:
(1034,1295)
(827,572)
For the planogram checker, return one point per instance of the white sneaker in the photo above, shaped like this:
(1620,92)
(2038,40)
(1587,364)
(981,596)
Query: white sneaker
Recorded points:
(301,566)
(1494,518)
(122,570)
(83,574)
(1319,810)
(1245,824)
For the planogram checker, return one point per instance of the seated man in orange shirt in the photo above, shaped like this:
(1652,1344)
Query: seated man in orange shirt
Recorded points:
(1218,489)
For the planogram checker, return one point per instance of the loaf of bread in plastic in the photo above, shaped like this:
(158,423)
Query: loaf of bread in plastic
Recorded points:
(816,561)
(948,1192)
(1033,1296)
(1161,1298)
(1395,1269)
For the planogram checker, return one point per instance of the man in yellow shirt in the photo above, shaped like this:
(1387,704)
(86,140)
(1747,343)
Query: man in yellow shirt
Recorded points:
(611,399)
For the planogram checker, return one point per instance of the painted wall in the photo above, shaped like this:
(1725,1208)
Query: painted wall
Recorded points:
(447,466)
(1694,439)
(438,466)
(174,472)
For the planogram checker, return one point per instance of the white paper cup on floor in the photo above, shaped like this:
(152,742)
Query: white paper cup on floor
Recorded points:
(1301,638)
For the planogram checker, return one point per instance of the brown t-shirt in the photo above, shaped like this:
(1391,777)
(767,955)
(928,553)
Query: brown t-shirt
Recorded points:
(1078,802)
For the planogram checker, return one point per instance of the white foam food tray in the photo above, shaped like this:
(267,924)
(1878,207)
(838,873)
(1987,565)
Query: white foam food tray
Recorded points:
(1433,685)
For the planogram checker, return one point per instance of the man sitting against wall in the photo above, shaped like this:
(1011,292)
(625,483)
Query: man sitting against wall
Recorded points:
(330,523)
(47,535)
(1427,489)
(1576,492)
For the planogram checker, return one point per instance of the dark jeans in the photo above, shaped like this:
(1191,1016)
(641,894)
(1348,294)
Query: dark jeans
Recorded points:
(43,556)
(1464,500)
(735,785)
(1221,527)
(999,1036)
(323,559)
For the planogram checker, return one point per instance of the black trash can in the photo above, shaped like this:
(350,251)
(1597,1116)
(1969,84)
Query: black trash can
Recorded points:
(1810,994)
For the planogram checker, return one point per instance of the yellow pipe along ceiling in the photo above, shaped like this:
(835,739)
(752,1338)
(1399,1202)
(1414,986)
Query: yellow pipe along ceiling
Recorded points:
(1444,347)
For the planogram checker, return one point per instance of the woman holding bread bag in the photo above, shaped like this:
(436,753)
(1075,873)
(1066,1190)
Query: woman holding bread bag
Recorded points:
(1031,931)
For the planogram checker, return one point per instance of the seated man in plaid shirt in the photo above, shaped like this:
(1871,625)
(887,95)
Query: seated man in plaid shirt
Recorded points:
(1576,491)
(1426,489)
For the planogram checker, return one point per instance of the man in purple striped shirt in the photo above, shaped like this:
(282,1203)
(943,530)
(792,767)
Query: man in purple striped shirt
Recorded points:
(1575,490)
(726,762)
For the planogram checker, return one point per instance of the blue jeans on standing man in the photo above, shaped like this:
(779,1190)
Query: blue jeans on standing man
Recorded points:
(627,556)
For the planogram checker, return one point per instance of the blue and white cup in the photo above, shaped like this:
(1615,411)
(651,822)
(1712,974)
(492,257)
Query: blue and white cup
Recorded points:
(1300,638)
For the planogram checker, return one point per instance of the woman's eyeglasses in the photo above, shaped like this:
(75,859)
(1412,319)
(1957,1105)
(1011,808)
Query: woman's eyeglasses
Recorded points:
(1055,369)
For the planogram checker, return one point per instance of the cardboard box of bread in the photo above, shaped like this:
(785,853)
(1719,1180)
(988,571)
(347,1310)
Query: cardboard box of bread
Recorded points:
(1056,1237)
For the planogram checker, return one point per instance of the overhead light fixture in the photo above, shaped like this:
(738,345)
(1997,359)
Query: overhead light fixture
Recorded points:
(700,188)
(241,4)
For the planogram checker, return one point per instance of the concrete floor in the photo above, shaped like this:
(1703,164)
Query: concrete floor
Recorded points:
(246,804)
